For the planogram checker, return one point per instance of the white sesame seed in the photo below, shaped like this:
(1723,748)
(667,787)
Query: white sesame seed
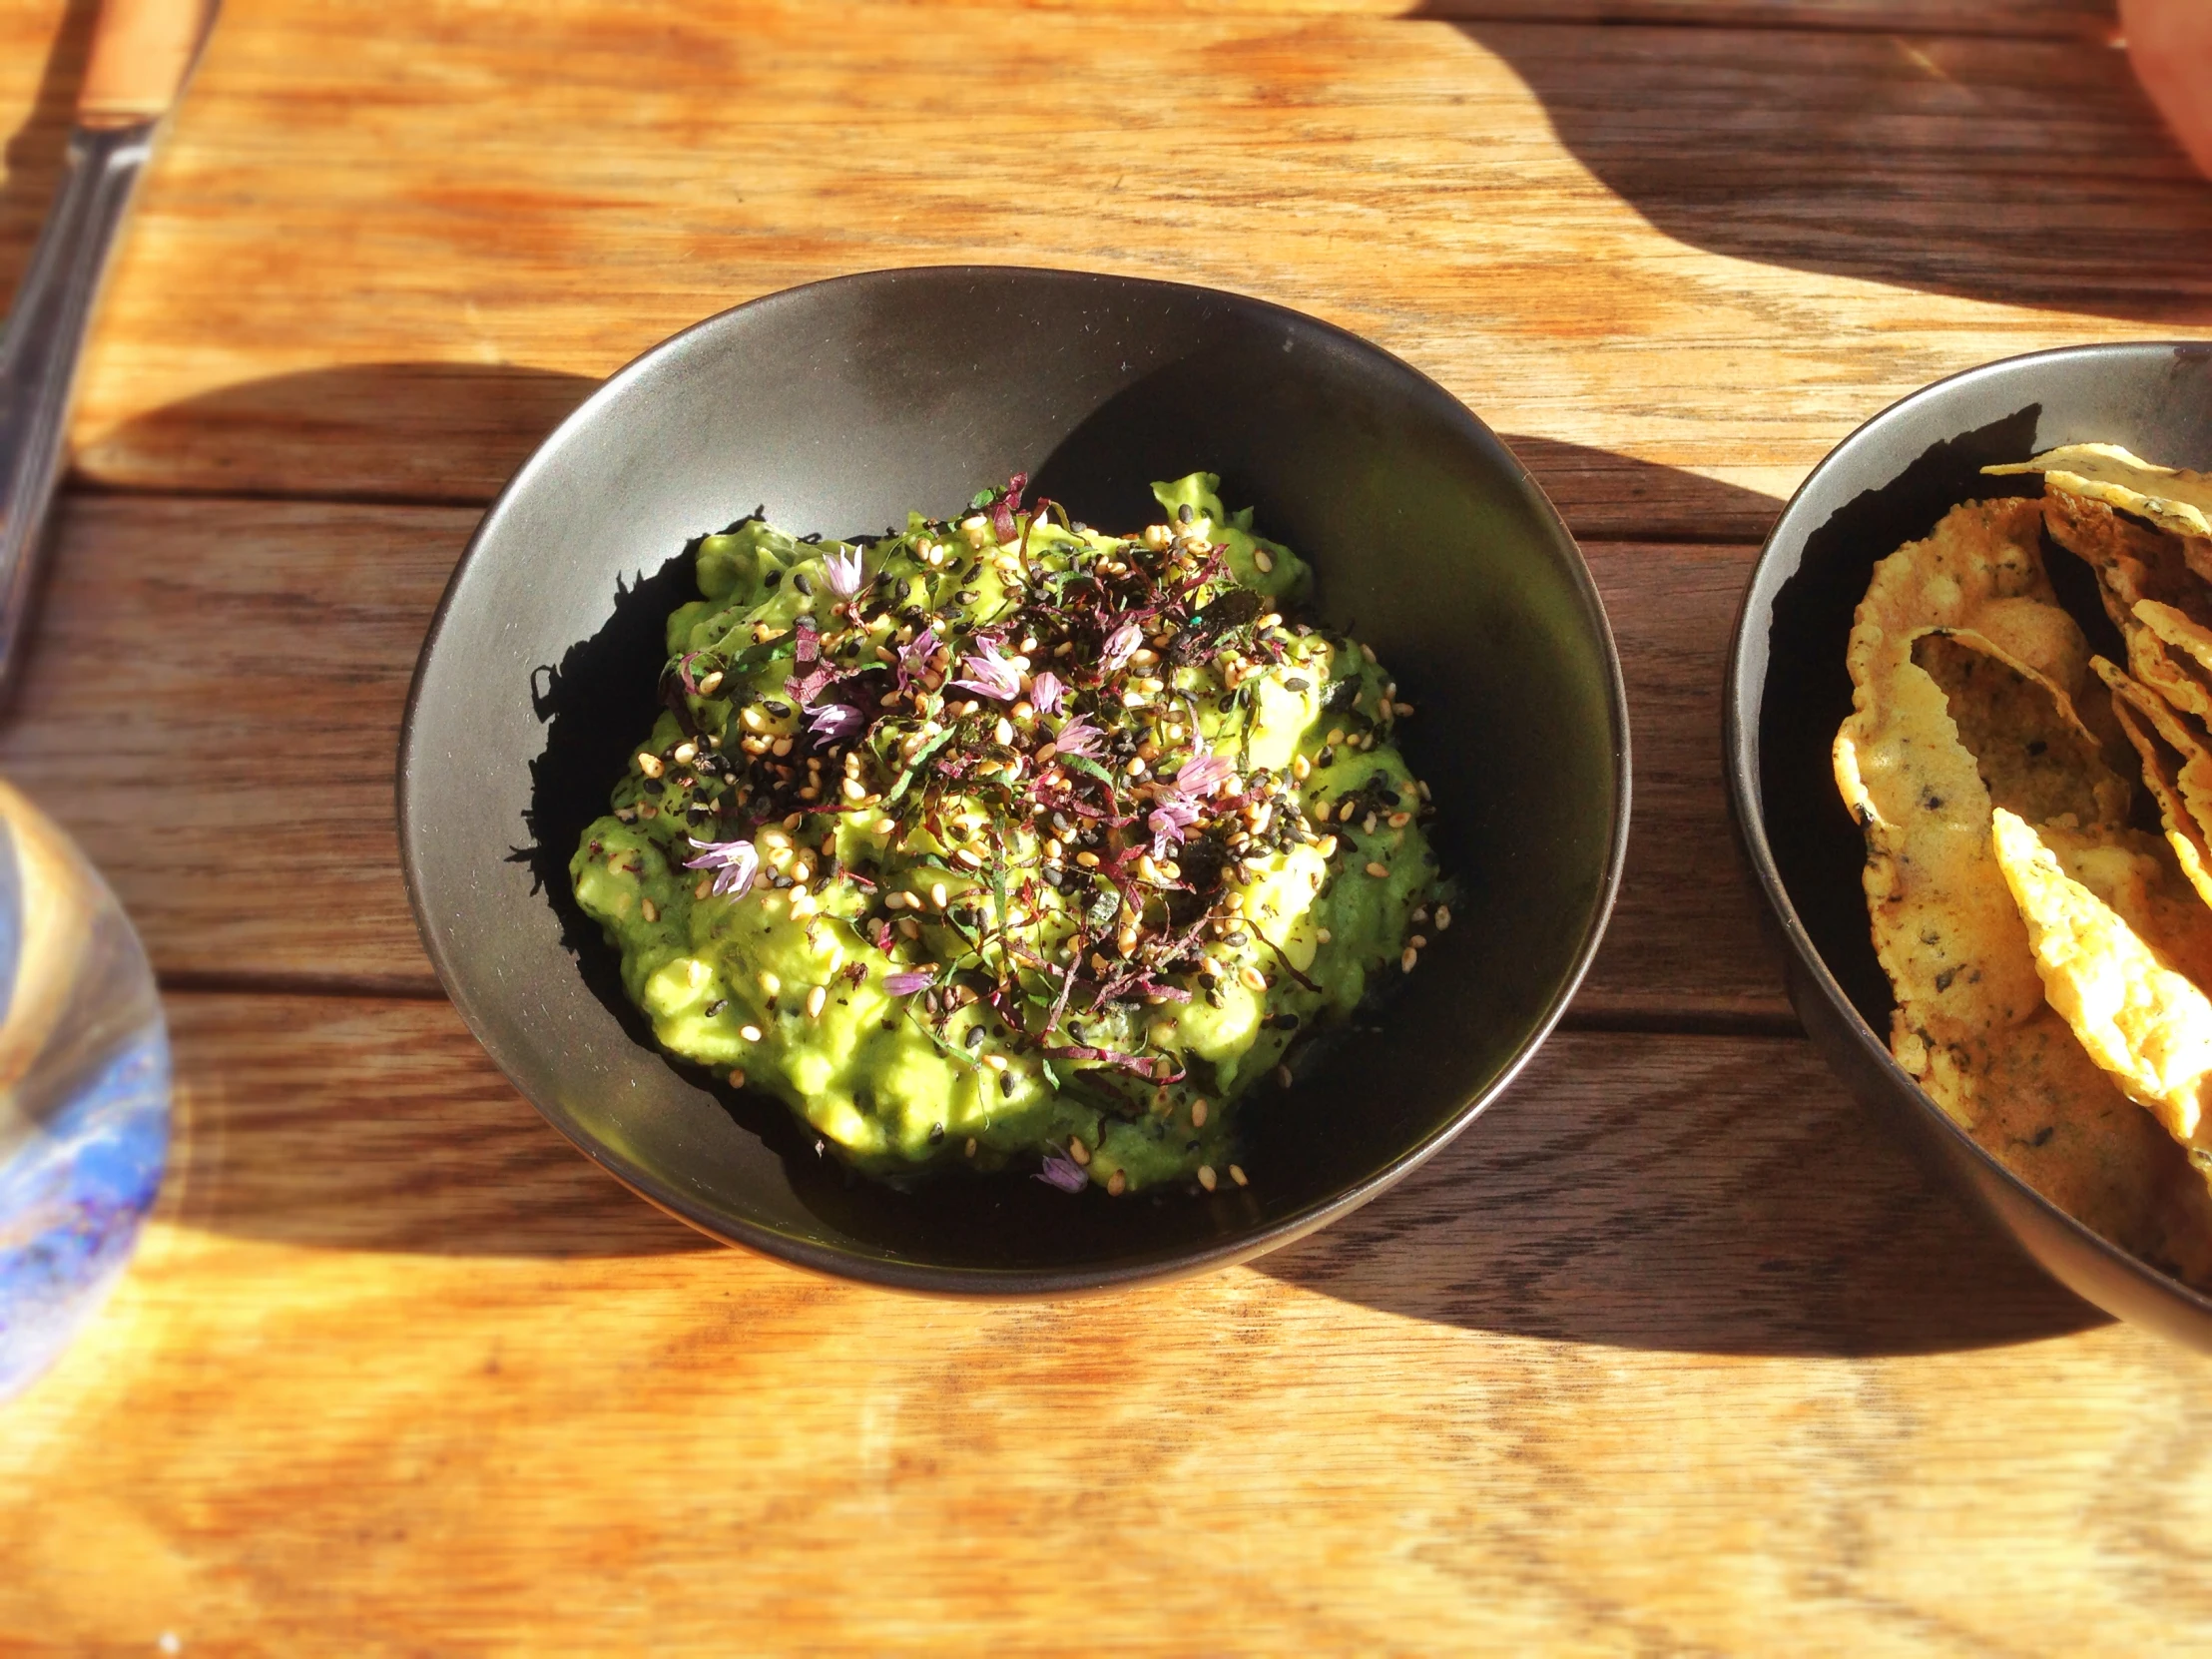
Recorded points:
(1283,1076)
(649,763)
(937,894)
(1399,820)
(650,910)
(816,999)
(1368,651)
(1116,1184)
(751,1033)
(1378,870)
(1236,1174)
(736,1079)
(1252,978)
(1408,958)
(769,984)
(1322,934)
(1078,1151)
(685,754)
(705,882)
(855,788)
(709,684)
(1443,917)
(1206,1176)
(971,1146)
(1263,560)
(1325,846)
(1198,1114)
(997,1062)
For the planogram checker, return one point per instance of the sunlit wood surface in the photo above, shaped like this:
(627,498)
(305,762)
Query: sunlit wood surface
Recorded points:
(1673,1351)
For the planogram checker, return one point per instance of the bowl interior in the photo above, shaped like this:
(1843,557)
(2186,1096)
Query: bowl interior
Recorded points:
(839,406)
(1889,483)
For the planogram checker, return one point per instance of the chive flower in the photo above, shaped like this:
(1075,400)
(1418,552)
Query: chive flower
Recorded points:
(734,863)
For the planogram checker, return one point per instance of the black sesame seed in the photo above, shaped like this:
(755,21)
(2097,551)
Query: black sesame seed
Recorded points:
(798,581)
(1183,514)
(937,1130)
(715,1007)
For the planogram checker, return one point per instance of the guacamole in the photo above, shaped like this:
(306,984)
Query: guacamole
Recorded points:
(1004,839)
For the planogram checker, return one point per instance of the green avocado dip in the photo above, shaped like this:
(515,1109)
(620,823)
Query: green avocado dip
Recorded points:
(1002,839)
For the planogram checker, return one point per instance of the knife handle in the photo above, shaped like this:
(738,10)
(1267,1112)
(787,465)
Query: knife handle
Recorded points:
(142,50)
(40,350)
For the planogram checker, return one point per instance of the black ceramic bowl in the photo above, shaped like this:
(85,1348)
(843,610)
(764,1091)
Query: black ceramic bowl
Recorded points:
(1886,484)
(839,406)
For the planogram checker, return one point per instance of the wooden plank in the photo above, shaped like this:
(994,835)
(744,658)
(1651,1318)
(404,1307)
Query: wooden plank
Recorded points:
(1673,1351)
(239,793)
(1707,253)
(2015,19)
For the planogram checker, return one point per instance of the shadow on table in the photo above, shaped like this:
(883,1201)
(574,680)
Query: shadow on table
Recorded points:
(2027,173)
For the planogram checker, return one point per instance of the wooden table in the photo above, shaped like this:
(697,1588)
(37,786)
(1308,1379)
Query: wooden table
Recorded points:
(1674,1352)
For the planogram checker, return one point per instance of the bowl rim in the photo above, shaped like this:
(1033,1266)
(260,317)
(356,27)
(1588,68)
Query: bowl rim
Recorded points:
(988,1283)
(1741,746)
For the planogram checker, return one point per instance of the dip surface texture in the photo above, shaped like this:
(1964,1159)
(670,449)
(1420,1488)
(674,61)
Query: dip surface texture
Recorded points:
(1004,839)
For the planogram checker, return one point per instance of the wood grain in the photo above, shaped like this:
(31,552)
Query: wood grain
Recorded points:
(1707,251)
(1702,1364)
(233,777)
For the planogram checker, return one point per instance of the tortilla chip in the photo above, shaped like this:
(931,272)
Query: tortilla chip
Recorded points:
(2169,673)
(2161,775)
(2033,752)
(1982,571)
(2143,1022)
(2170,499)
(2192,775)
(2132,564)
(2184,637)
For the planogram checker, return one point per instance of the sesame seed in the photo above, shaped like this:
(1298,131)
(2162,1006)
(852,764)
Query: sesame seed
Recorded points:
(937,894)
(815,998)
(997,1062)
(1263,560)
(1367,824)
(779,748)
(1089,860)
(751,1033)
(1236,1174)
(1408,958)
(705,882)
(1368,651)
(801,872)
(971,1146)
(736,1079)
(769,984)
(1116,1184)
(1078,1151)
(1206,1177)
(1283,1076)
(1343,813)
(1325,846)
(1443,917)
(1378,870)
(1302,769)
(1399,820)
(908,927)
(685,754)
(1003,731)
(1198,1114)
(750,718)
(1252,978)
(709,684)
(649,763)
(1322,936)
(855,788)
(1401,709)
(1047,752)
(1135,767)
(649,910)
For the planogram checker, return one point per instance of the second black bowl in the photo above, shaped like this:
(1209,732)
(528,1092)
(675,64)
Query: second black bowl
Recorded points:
(1788,692)
(836,408)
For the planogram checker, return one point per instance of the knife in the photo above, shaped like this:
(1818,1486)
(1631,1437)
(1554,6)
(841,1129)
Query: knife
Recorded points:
(142,53)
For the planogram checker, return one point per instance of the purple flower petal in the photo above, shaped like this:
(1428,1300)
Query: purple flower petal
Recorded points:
(1064,1172)
(807,644)
(1119,644)
(1203,772)
(914,657)
(1045,692)
(991,674)
(734,863)
(834,721)
(1078,737)
(1168,820)
(844,572)
(907,982)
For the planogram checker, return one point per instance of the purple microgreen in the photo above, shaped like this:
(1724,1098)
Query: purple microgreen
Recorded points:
(734,863)
(807,644)
(1062,1172)
(1045,692)
(1008,504)
(843,570)
(805,688)
(991,674)
(907,982)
